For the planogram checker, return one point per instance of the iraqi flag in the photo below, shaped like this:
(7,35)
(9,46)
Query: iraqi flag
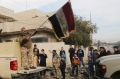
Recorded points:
(63,21)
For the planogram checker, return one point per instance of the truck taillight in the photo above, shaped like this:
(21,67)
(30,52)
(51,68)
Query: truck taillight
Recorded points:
(103,69)
(13,65)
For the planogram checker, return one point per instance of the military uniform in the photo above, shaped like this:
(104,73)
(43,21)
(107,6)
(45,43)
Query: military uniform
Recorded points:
(26,50)
(24,57)
(56,64)
(30,58)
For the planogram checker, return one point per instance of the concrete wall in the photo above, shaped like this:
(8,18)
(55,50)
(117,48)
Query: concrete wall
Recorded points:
(48,47)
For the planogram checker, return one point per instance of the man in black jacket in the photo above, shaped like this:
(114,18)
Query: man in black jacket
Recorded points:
(71,53)
(102,52)
(116,50)
(63,67)
(80,54)
(63,53)
(42,58)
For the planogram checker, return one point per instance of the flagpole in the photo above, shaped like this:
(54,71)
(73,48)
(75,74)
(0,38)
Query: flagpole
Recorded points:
(69,1)
(40,26)
(44,21)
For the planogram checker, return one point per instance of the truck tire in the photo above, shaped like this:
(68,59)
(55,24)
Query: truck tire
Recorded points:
(38,75)
(115,75)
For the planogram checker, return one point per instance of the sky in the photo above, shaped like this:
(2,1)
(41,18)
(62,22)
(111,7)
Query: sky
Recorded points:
(104,13)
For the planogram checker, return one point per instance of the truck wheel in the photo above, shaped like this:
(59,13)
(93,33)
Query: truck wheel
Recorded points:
(116,75)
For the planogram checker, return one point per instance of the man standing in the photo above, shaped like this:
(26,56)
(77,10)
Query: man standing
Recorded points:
(43,57)
(24,54)
(116,50)
(76,63)
(36,55)
(26,49)
(80,54)
(56,63)
(71,53)
(63,67)
(62,53)
(91,61)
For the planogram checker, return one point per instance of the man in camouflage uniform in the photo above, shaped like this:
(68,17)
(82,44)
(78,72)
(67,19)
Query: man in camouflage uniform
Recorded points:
(25,54)
(26,49)
(56,63)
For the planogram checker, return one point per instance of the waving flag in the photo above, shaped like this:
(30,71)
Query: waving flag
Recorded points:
(63,21)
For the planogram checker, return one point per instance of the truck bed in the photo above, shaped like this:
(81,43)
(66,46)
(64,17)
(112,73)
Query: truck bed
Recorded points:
(38,69)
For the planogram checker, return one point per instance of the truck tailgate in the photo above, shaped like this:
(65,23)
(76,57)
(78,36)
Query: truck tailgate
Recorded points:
(5,71)
(38,69)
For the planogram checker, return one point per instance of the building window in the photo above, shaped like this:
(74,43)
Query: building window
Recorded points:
(0,40)
(39,39)
(8,40)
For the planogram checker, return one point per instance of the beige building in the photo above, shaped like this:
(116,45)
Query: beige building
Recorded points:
(11,24)
(6,15)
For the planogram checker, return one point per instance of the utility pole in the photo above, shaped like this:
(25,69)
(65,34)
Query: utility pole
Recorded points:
(90,17)
(27,2)
(91,37)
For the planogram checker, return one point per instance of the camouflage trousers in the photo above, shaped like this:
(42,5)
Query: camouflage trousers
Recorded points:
(35,61)
(26,58)
(57,70)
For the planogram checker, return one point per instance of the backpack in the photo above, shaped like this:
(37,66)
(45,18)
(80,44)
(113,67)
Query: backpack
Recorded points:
(76,61)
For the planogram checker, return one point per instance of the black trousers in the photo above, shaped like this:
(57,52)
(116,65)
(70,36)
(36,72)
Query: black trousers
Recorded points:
(63,73)
(75,69)
(71,60)
(42,73)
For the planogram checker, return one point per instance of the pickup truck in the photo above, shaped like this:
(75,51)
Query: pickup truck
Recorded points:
(10,63)
(108,67)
